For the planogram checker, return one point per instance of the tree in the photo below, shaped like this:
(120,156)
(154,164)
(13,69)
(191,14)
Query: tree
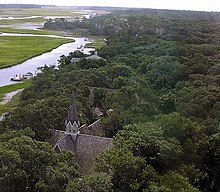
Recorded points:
(212,164)
(99,97)
(171,182)
(168,103)
(30,165)
(119,70)
(127,171)
(149,142)
(95,183)
(189,134)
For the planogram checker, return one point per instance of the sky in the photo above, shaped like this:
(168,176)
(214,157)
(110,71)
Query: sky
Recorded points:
(201,5)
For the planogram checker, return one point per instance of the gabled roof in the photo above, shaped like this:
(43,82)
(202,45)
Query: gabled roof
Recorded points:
(95,129)
(94,57)
(75,60)
(85,147)
(67,143)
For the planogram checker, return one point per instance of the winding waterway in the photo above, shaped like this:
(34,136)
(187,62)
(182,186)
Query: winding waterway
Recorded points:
(49,58)
(18,18)
(32,35)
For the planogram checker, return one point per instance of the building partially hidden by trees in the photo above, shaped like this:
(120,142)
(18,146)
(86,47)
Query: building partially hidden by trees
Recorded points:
(84,141)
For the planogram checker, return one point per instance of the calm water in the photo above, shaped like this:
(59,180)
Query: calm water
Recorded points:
(33,35)
(49,58)
(18,18)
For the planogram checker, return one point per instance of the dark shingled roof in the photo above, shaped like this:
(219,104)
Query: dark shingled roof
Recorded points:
(95,128)
(94,57)
(67,143)
(57,135)
(85,147)
(88,148)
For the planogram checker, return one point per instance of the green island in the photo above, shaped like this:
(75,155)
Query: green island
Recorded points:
(155,83)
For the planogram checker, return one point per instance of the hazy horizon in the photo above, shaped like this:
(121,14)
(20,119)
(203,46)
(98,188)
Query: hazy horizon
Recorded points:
(211,5)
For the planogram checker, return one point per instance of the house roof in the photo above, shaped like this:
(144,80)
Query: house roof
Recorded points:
(86,143)
(95,128)
(94,57)
(66,143)
(75,60)
(85,147)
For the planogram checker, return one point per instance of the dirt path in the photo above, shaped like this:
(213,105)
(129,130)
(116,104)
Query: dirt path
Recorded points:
(6,99)
(2,117)
(8,96)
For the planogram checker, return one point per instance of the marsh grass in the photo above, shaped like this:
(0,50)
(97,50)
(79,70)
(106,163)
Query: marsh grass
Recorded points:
(15,50)
(9,107)
(13,87)
(41,12)
(4,109)
(15,99)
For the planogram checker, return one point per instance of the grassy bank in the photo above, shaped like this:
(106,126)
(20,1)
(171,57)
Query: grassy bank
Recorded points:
(4,109)
(9,107)
(13,87)
(15,50)
(15,100)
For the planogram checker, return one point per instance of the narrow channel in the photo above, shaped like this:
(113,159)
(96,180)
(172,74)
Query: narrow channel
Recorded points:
(49,58)
(33,35)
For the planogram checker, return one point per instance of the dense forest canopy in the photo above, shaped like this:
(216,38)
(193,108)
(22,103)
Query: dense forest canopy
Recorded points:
(158,86)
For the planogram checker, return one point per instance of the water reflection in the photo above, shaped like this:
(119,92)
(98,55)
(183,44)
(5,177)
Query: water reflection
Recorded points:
(49,58)
(33,35)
